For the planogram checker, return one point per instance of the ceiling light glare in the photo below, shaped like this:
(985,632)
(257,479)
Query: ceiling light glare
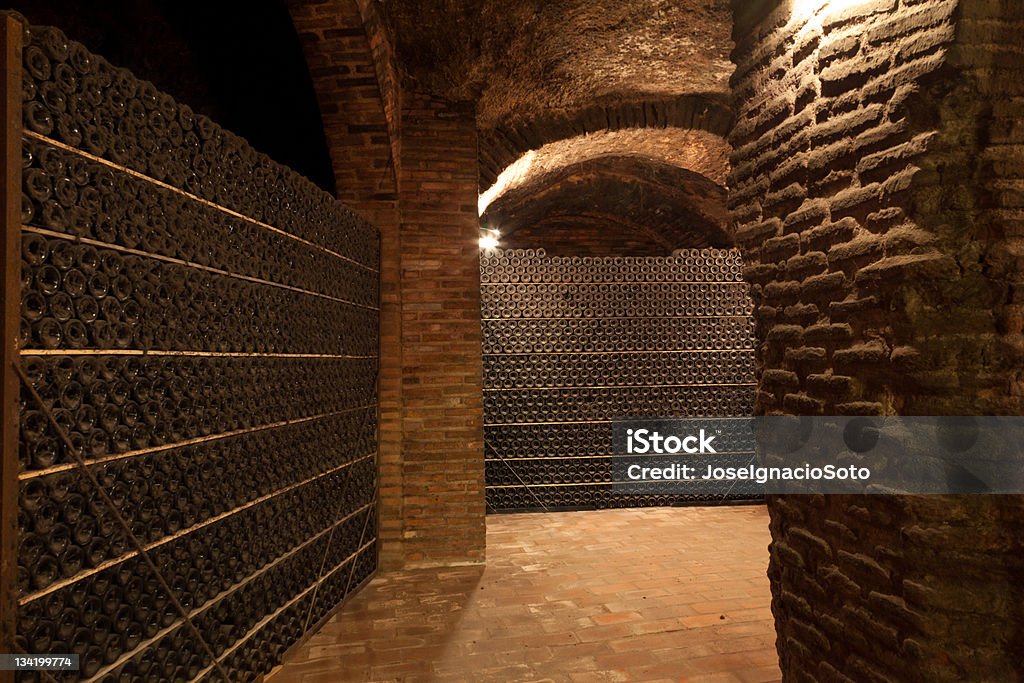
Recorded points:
(821,9)
(489,241)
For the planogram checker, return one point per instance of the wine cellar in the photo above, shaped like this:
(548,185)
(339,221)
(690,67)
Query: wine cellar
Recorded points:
(571,343)
(331,328)
(198,349)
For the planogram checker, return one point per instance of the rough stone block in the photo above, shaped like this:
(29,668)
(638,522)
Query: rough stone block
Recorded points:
(845,310)
(828,334)
(857,10)
(895,609)
(801,314)
(757,233)
(801,404)
(884,219)
(879,165)
(781,293)
(845,75)
(896,270)
(840,582)
(836,45)
(782,379)
(867,408)
(861,357)
(789,556)
(811,635)
(761,273)
(780,248)
(864,249)
(789,335)
(823,237)
(856,200)
(812,213)
(785,200)
(807,356)
(811,263)
(846,125)
(824,285)
(815,544)
(914,22)
(830,387)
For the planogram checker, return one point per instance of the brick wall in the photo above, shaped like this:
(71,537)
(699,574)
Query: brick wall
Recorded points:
(988,54)
(390,471)
(431,444)
(385,64)
(354,106)
(351,63)
(439,343)
(876,192)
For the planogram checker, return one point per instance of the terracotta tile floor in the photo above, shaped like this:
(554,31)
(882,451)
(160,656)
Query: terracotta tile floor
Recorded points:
(663,594)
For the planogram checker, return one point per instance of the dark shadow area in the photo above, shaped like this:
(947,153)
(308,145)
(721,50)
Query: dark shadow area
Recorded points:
(240,63)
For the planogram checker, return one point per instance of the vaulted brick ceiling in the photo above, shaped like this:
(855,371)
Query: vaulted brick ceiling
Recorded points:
(550,73)
(521,59)
(613,205)
(653,189)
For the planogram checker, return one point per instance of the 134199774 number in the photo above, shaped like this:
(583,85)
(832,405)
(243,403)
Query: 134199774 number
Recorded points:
(38,662)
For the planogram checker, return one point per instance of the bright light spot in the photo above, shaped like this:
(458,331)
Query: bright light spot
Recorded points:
(509,177)
(806,9)
(490,240)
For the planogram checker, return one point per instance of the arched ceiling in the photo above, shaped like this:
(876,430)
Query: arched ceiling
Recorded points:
(615,111)
(520,60)
(613,204)
(350,58)
(693,150)
(501,146)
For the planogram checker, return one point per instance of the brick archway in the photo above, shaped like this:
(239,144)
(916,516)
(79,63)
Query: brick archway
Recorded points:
(501,146)
(627,205)
(351,62)
(352,66)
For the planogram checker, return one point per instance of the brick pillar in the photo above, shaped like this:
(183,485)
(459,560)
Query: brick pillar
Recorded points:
(876,188)
(389,386)
(437,287)
(352,67)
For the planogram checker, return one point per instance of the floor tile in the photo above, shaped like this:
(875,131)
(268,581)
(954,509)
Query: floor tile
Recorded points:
(655,594)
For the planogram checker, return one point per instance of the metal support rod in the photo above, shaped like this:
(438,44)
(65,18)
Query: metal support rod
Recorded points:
(116,513)
(189,195)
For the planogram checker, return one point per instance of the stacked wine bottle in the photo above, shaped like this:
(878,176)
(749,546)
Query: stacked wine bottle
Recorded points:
(572,343)
(199,325)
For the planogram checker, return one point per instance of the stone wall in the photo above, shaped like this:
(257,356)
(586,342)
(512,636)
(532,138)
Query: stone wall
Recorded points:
(876,193)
